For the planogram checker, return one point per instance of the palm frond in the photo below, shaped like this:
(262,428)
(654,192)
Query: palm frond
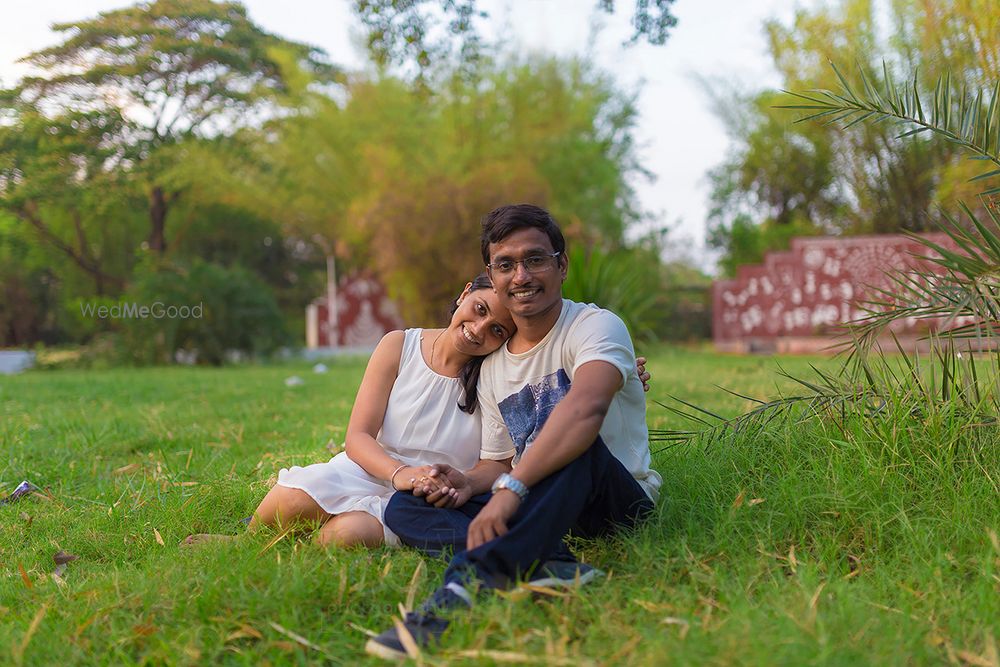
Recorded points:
(890,387)
(958,291)
(971,120)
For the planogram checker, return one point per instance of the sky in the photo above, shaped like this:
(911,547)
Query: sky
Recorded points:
(680,138)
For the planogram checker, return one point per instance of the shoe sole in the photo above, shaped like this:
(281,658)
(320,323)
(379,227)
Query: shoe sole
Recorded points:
(555,582)
(372,647)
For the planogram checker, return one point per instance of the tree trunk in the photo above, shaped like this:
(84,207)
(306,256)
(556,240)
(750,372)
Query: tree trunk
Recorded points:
(157,219)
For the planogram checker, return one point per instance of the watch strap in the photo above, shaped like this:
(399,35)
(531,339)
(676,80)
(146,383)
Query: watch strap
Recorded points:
(511,483)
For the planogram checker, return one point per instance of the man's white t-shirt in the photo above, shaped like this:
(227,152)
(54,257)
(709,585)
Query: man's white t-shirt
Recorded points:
(517,392)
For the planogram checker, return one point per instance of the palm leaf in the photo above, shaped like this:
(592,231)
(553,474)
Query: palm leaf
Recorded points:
(966,118)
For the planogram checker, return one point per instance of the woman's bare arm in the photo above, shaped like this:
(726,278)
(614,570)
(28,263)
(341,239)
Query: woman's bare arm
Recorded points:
(369,412)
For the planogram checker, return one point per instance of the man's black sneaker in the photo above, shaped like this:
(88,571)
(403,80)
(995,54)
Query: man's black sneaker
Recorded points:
(425,625)
(424,628)
(449,596)
(563,574)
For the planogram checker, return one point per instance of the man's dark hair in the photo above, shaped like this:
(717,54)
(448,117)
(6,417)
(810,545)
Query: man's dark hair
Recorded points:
(504,221)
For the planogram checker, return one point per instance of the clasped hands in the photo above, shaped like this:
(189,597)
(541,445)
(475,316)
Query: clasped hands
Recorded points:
(442,485)
(445,486)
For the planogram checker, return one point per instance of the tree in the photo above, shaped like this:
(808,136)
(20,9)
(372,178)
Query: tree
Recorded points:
(26,289)
(890,184)
(426,32)
(63,179)
(773,186)
(817,178)
(551,131)
(373,174)
(156,75)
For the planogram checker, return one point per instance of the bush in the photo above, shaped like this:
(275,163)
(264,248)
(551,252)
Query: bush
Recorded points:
(204,311)
(625,282)
(656,300)
(27,301)
(29,297)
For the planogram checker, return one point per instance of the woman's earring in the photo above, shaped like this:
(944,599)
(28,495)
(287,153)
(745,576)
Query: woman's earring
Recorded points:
(458,302)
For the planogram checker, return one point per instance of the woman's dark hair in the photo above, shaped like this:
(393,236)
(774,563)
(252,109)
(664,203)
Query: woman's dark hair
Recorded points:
(469,375)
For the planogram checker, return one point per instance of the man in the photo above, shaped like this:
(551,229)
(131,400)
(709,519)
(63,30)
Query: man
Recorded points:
(565,446)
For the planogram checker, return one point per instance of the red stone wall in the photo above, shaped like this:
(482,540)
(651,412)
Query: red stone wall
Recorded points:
(365,314)
(796,300)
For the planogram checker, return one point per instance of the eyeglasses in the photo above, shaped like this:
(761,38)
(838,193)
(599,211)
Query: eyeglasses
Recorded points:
(531,263)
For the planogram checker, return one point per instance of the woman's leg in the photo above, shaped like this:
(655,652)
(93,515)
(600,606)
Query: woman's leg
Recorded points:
(351,529)
(283,506)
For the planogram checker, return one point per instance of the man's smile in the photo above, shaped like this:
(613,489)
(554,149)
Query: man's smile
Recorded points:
(524,293)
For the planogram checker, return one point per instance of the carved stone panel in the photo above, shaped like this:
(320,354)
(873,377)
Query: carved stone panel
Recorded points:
(364,314)
(810,291)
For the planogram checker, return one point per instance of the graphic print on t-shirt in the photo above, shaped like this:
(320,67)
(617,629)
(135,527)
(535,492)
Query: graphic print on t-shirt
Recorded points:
(526,411)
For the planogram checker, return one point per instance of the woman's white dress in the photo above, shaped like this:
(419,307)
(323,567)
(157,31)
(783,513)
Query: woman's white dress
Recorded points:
(422,425)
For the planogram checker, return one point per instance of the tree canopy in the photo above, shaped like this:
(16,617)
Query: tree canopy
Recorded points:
(424,32)
(149,77)
(397,181)
(785,178)
(154,138)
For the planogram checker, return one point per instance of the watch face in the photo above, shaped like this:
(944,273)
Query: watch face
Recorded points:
(500,483)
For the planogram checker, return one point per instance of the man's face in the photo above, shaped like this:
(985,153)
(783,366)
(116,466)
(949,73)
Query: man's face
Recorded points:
(527,294)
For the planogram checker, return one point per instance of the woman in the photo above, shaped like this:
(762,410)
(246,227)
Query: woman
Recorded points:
(416,405)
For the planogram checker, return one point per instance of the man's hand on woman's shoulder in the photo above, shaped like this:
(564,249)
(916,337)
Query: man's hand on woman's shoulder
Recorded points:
(640,368)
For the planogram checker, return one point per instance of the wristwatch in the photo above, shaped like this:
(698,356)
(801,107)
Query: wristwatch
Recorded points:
(511,483)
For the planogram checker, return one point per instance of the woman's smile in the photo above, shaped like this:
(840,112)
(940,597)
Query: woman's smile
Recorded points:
(468,335)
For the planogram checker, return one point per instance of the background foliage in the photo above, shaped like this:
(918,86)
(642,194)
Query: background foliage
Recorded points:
(785,178)
(238,314)
(157,137)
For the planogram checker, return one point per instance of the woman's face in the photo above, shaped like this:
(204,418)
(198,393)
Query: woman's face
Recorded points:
(480,325)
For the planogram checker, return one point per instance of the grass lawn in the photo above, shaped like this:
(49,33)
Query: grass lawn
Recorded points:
(805,543)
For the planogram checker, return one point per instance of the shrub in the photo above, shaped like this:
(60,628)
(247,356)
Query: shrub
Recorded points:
(227,309)
(625,282)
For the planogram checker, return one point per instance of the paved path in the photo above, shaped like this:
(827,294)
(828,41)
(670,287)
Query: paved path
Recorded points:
(15,361)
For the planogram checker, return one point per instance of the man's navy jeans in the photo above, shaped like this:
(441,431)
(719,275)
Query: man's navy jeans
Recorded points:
(592,496)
